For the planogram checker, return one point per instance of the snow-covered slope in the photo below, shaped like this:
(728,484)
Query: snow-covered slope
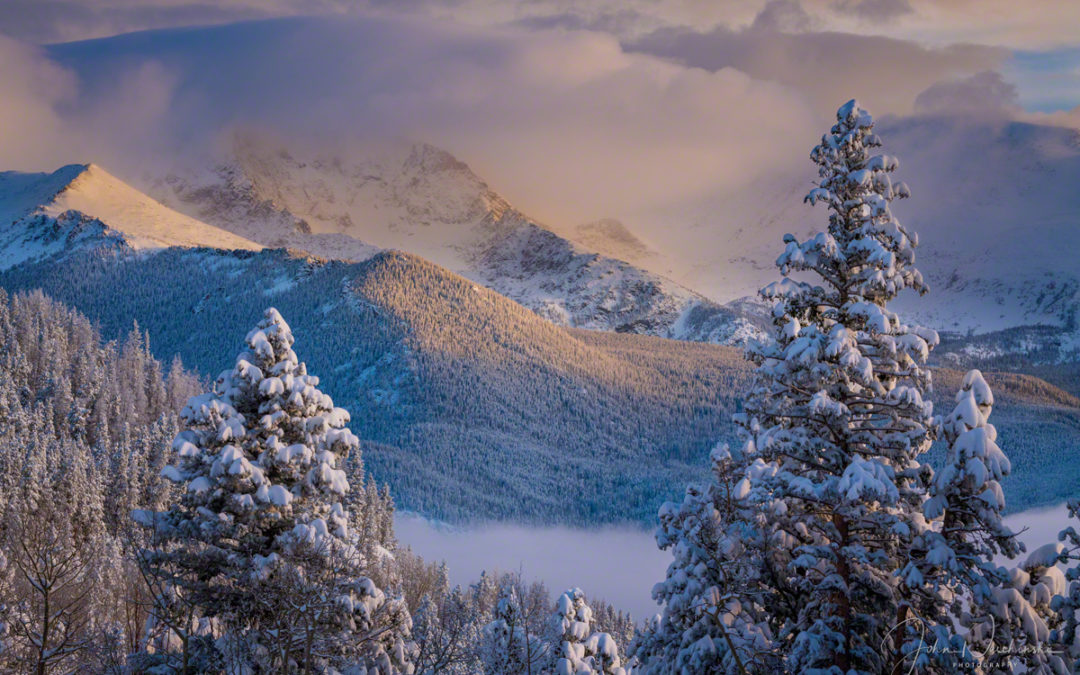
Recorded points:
(224,195)
(420,199)
(470,405)
(610,237)
(48,214)
(997,207)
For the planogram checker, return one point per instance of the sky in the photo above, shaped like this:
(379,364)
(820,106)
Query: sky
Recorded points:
(575,111)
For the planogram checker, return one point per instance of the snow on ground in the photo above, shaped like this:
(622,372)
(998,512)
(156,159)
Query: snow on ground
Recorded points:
(618,564)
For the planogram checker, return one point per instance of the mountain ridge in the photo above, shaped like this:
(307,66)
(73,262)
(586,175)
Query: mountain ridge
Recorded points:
(85,203)
(421,199)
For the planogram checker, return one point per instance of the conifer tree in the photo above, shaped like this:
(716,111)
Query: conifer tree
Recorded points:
(261,540)
(510,644)
(1066,635)
(838,415)
(972,610)
(713,620)
(578,649)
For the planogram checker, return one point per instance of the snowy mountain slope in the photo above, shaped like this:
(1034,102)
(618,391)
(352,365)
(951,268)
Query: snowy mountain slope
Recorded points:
(610,237)
(399,195)
(470,405)
(46,214)
(996,205)
(420,199)
(225,196)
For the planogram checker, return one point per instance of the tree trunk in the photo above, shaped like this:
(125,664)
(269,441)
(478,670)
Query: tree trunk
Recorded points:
(842,659)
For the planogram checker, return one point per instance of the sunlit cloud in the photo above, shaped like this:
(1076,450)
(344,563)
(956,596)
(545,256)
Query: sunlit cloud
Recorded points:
(883,73)
(33,89)
(568,124)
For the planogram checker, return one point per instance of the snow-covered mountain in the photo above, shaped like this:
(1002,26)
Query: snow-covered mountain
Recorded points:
(470,405)
(421,199)
(82,205)
(996,206)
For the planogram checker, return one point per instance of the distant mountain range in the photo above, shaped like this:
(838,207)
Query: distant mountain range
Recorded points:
(994,203)
(420,199)
(993,200)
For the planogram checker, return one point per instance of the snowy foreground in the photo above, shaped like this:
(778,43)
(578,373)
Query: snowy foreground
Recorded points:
(617,564)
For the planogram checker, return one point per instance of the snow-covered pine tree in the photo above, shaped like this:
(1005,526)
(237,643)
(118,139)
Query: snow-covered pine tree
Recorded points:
(1018,635)
(1066,636)
(260,540)
(504,642)
(838,412)
(966,603)
(578,649)
(510,646)
(572,624)
(713,620)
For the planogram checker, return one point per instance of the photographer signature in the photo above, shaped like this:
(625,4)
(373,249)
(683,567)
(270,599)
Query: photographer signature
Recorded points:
(961,656)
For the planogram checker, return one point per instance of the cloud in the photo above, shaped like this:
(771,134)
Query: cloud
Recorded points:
(1036,24)
(827,68)
(875,10)
(45,21)
(567,123)
(1047,80)
(782,15)
(985,93)
(33,88)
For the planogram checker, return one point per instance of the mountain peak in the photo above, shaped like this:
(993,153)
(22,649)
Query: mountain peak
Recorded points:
(38,210)
(427,158)
(144,222)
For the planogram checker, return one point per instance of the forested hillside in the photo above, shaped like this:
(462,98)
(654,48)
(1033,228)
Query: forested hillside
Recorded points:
(470,405)
(92,580)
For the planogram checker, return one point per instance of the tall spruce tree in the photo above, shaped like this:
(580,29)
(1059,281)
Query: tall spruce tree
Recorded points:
(260,540)
(838,412)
